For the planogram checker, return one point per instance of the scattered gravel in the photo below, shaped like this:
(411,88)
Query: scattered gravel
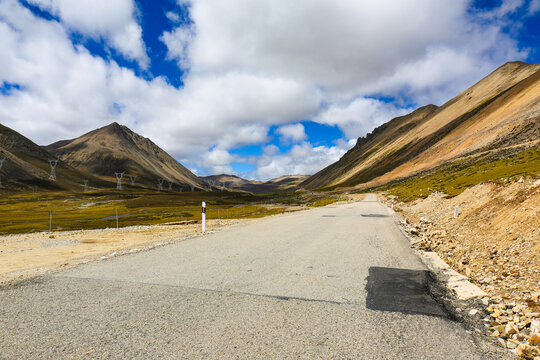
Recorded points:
(495,241)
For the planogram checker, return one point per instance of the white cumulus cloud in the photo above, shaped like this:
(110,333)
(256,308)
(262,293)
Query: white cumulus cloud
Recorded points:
(359,116)
(294,132)
(218,161)
(302,159)
(112,20)
(178,42)
(534,7)
(344,46)
(248,66)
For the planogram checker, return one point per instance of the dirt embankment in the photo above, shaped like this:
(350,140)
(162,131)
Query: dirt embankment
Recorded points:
(495,241)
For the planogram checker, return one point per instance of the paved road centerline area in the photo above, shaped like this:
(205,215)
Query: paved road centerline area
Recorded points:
(290,286)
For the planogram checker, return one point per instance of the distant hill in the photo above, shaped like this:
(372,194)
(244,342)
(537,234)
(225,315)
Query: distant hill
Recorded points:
(27,165)
(115,148)
(287,182)
(97,155)
(499,112)
(227,180)
(283,183)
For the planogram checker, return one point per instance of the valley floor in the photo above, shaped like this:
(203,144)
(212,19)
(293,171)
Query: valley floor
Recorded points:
(159,220)
(333,282)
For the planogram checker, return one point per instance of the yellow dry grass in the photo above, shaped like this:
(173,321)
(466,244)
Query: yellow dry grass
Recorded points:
(27,255)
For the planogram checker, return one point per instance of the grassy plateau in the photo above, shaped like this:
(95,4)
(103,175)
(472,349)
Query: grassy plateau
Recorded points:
(28,212)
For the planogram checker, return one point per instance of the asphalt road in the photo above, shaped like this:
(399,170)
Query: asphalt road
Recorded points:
(337,282)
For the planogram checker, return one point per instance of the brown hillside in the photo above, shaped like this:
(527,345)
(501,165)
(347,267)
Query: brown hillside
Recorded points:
(283,183)
(26,165)
(115,148)
(499,111)
(288,181)
(225,179)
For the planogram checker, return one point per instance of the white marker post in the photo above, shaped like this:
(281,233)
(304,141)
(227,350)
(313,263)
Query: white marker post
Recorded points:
(203,216)
(456,211)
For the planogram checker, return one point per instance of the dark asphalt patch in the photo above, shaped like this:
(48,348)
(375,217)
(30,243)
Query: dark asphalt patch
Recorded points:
(375,215)
(402,290)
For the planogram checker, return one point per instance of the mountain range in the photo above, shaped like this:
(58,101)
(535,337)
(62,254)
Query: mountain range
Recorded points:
(94,158)
(27,165)
(115,149)
(283,183)
(499,112)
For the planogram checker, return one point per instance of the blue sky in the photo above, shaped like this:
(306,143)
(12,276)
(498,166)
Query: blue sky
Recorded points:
(258,89)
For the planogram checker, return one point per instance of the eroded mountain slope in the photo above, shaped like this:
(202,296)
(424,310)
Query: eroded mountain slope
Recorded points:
(26,165)
(115,148)
(500,110)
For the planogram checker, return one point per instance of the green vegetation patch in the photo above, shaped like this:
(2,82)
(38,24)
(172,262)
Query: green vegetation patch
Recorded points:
(453,179)
(22,213)
(323,201)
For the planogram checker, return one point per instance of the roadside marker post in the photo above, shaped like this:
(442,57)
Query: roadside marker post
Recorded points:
(203,216)
(456,211)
